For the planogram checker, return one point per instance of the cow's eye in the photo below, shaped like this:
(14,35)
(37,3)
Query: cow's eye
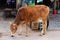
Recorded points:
(15,28)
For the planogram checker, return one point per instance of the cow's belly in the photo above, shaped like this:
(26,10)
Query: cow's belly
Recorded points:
(38,20)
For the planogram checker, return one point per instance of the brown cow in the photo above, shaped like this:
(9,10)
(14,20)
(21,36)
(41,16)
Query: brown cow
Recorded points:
(30,14)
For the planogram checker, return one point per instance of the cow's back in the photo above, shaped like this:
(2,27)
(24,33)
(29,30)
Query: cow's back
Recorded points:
(43,10)
(32,13)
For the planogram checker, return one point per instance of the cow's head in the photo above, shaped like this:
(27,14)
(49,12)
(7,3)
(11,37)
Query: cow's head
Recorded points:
(13,28)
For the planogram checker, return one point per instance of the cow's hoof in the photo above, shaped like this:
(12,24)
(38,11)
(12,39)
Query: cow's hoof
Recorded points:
(26,35)
(43,33)
(12,35)
(40,35)
(19,34)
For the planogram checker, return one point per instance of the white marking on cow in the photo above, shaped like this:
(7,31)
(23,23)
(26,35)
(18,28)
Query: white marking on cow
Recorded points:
(40,20)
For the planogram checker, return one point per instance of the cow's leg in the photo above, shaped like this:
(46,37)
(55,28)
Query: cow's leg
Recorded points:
(42,31)
(20,27)
(45,26)
(27,31)
(42,28)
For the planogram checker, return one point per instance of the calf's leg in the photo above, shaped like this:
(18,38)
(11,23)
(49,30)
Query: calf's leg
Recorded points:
(20,27)
(27,29)
(44,25)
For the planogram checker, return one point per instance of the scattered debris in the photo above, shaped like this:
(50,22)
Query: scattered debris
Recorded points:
(0,34)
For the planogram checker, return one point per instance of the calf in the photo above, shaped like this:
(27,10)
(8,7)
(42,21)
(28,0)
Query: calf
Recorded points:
(30,14)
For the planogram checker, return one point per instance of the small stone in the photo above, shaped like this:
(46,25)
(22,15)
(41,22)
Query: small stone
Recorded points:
(0,34)
(19,34)
(26,35)
(12,36)
(43,33)
(40,34)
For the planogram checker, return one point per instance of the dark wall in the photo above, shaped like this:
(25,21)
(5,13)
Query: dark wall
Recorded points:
(47,2)
(10,4)
(2,3)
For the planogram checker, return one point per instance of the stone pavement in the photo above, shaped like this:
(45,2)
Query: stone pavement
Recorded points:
(50,35)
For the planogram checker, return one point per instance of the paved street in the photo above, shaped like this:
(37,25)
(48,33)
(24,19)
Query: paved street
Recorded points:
(51,35)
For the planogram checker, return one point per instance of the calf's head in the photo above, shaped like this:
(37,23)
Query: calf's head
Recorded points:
(13,28)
